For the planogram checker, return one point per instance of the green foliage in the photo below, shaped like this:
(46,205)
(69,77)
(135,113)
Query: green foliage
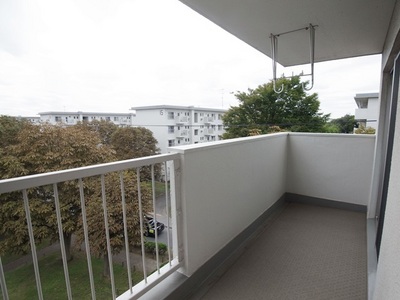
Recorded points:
(9,129)
(262,108)
(133,142)
(39,149)
(345,124)
(104,129)
(331,128)
(30,149)
(150,247)
(365,130)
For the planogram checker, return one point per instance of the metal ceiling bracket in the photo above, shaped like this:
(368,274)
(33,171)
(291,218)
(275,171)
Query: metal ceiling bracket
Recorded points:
(274,54)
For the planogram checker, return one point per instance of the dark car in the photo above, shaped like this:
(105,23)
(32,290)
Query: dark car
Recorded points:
(150,228)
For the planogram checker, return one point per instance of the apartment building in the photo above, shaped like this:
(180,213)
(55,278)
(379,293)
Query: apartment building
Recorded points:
(72,118)
(367,113)
(180,125)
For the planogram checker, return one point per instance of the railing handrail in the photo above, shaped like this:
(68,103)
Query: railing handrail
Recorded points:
(30,181)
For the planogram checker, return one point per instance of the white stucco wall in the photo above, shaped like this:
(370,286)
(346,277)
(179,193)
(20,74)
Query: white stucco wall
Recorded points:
(387,284)
(388,273)
(226,186)
(331,166)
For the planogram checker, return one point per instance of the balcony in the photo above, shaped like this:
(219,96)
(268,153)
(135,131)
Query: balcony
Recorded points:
(182,133)
(270,217)
(180,120)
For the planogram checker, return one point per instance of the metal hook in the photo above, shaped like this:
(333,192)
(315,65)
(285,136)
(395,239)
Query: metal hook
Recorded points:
(274,54)
(274,48)
(312,47)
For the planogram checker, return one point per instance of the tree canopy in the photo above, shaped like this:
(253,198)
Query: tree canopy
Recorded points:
(345,124)
(265,110)
(40,149)
(31,149)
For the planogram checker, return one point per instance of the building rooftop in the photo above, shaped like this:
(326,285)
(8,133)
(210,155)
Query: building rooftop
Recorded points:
(84,113)
(177,107)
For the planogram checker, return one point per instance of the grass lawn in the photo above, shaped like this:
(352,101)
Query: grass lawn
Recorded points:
(21,282)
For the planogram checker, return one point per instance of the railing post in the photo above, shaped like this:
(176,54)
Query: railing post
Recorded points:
(176,209)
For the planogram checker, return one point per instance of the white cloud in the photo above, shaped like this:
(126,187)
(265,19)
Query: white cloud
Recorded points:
(112,55)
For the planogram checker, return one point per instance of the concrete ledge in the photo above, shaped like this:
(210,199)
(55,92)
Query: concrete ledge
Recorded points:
(290,197)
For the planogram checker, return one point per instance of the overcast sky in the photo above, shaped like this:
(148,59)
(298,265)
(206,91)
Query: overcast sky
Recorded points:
(110,55)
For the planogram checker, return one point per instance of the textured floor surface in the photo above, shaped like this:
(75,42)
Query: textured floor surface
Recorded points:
(307,252)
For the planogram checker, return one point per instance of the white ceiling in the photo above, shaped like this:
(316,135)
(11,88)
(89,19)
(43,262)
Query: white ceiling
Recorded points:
(346,28)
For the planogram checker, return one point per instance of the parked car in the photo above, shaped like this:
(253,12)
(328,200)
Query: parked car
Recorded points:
(150,228)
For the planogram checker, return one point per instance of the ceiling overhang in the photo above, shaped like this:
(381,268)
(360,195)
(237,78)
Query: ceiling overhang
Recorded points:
(346,28)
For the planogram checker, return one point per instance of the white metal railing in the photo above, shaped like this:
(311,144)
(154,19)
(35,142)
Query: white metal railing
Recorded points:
(169,163)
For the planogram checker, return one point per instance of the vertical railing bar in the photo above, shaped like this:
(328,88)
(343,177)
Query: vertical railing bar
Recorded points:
(141,224)
(167,208)
(103,196)
(176,209)
(62,243)
(155,217)
(86,233)
(128,260)
(33,246)
(3,284)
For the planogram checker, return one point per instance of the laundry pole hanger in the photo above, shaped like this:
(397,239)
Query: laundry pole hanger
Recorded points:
(274,52)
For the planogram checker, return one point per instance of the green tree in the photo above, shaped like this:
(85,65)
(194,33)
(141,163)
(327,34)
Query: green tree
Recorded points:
(134,142)
(329,127)
(262,108)
(9,129)
(40,149)
(104,128)
(95,216)
(345,124)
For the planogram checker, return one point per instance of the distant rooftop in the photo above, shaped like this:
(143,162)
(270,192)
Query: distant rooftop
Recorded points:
(84,113)
(367,95)
(177,107)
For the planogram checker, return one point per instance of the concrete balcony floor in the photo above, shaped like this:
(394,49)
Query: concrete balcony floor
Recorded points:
(305,252)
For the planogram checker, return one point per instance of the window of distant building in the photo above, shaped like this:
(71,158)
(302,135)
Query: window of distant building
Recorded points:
(171,143)
(171,129)
(171,115)
(196,132)
(196,117)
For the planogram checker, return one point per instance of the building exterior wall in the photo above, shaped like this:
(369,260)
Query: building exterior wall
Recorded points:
(387,284)
(180,125)
(72,118)
(33,120)
(367,113)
